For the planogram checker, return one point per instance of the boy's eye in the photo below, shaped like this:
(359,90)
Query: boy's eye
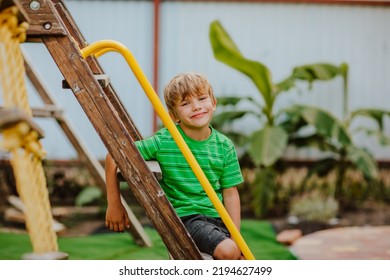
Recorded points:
(184,104)
(202,97)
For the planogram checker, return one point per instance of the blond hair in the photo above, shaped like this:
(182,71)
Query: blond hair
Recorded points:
(183,85)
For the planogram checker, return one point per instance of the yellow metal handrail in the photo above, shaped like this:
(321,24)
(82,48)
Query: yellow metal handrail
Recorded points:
(100,47)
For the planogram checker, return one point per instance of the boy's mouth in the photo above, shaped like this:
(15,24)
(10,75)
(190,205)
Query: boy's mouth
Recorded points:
(198,115)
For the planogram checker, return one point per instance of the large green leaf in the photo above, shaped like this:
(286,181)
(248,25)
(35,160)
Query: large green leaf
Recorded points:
(234,100)
(363,161)
(325,123)
(318,71)
(313,141)
(290,119)
(226,51)
(311,73)
(225,117)
(375,114)
(229,100)
(238,139)
(268,145)
(285,85)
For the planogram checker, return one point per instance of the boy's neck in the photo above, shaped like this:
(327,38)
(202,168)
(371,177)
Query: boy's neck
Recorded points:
(200,134)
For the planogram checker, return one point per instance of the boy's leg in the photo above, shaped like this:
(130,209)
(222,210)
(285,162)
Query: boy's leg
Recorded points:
(211,237)
(227,250)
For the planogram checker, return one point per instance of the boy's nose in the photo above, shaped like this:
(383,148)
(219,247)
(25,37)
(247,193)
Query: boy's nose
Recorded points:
(195,106)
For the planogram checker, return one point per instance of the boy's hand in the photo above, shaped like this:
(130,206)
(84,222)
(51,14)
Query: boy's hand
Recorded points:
(117,218)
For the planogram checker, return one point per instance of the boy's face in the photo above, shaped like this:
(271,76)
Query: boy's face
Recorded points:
(195,112)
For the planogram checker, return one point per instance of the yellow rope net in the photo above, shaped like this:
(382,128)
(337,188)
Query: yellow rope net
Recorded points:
(20,140)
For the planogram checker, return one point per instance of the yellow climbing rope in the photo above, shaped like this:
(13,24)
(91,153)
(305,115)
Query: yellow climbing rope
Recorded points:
(20,140)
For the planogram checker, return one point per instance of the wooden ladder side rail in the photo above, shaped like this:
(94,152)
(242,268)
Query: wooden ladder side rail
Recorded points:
(92,164)
(93,63)
(117,139)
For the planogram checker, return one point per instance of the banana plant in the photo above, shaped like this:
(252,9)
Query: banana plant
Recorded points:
(335,138)
(267,144)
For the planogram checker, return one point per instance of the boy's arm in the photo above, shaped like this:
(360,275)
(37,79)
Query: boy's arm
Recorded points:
(116,215)
(231,200)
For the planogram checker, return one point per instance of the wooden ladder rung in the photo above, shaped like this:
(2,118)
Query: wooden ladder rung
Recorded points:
(13,116)
(48,111)
(103,80)
(154,166)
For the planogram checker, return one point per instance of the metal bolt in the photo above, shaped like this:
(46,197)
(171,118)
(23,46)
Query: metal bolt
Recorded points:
(47,26)
(35,5)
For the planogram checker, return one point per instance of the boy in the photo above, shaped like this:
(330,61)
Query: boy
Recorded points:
(191,104)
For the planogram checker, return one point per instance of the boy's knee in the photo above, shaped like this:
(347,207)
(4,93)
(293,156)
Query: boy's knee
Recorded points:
(227,250)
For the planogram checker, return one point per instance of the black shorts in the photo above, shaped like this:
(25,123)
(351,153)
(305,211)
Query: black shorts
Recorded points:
(207,232)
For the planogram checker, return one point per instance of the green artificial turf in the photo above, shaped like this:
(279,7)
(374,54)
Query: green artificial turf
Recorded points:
(259,236)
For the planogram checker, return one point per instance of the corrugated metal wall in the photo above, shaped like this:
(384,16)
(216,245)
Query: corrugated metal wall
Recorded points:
(281,36)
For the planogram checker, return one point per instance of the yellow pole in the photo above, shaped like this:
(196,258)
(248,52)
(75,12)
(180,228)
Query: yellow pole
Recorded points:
(104,46)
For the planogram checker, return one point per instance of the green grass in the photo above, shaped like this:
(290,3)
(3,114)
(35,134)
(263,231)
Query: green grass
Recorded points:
(259,236)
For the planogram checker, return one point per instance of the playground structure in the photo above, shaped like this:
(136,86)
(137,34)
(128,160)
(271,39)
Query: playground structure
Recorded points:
(21,139)
(50,23)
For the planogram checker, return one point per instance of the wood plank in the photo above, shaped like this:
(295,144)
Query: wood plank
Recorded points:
(154,167)
(18,215)
(12,116)
(66,211)
(48,111)
(45,112)
(41,18)
(103,80)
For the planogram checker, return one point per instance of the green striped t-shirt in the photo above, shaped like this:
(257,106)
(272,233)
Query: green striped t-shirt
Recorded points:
(216,156)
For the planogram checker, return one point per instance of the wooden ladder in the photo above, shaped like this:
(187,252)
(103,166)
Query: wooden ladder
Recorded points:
(51,23)
(53,110)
